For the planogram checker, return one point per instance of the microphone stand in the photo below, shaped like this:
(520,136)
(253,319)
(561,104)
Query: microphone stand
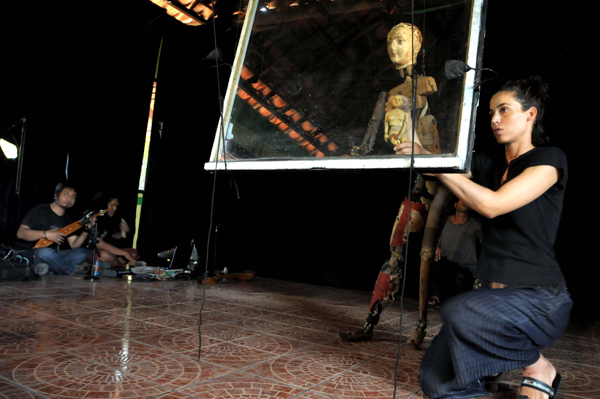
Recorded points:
(93,240)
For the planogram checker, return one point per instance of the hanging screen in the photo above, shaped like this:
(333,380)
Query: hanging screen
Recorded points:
(336,84)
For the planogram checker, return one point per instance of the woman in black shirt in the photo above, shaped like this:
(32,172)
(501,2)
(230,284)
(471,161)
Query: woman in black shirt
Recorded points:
(520,195)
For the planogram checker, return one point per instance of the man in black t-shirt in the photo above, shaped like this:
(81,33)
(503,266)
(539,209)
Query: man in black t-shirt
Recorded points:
(44,221)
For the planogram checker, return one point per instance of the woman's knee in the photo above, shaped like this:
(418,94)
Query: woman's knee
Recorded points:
(451,307)
(461,309)
(106,256)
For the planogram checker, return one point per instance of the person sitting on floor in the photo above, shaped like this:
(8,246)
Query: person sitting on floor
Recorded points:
(112,233)
(43,222)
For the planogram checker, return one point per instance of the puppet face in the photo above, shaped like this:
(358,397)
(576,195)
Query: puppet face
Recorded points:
(510,123)
(66,198)
(400,41)
(397,101)
(114,201)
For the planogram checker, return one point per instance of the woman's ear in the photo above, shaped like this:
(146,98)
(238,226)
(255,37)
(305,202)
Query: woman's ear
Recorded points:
(532,113)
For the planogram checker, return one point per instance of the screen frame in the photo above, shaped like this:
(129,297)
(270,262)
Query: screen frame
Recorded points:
(458,162)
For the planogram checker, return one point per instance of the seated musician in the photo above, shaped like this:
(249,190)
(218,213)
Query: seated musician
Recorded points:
(44,222)
(112,233)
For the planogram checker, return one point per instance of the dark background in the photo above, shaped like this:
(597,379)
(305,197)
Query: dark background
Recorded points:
(82,77)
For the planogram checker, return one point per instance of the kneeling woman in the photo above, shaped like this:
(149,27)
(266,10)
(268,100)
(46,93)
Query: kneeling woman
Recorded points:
(526,306)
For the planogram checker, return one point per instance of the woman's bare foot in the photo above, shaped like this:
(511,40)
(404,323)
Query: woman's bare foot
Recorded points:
(541,370)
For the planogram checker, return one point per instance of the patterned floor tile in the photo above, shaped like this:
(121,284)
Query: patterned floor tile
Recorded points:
(176,321)
(65,337)
(49,305)
(381,343)
(145,300)
(74,337)
(7,292)
(336,357)
(241,386)
(119,323)
(257,324)
(13,344)
(299,373)
(175,371)
(406,373)
(314,395)
(227,331)
(234,356)
(30,370)
(43,333)
(354,385)
(245,311)
(173,395)
(101,318)
(292,321)
(105,305)
(11,312)
(138,312)
(180,342)
(120,353)
(12,391)
(272,343)
(101,384)
(308,335)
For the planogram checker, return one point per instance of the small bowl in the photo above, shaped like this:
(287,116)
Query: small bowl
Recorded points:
(245,275)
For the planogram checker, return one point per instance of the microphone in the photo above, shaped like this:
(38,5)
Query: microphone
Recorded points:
(215,55)
(456,68)
(86,216)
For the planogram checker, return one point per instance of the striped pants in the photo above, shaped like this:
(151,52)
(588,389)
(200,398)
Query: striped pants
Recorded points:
(489,331)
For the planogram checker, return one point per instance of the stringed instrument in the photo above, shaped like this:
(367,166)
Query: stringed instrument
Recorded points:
(42,243)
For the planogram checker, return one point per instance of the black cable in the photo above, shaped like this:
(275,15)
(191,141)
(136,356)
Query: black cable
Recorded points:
(212,202)
(410,180)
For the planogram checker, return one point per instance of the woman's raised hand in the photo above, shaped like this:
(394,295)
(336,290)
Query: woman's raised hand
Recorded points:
(406,148)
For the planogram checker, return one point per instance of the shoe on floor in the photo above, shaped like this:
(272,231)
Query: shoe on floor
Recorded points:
(84,268)
(41,268)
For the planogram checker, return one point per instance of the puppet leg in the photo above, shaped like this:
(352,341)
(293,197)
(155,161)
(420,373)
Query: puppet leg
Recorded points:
(386,286)
(432,229)
(390,274)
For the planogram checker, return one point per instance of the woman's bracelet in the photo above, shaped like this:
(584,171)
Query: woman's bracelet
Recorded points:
(45,234)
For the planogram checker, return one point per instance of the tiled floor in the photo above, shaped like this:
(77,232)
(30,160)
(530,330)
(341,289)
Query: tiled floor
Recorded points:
(64,337)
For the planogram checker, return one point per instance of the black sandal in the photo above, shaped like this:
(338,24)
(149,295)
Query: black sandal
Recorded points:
(551,391)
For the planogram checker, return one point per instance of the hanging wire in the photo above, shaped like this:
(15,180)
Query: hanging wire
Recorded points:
(212,201)
(410,183)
